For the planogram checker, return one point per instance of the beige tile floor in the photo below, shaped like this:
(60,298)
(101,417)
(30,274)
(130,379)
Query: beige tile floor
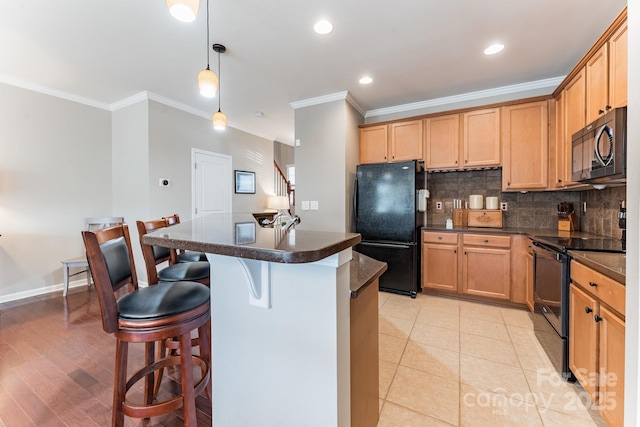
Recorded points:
(445,362)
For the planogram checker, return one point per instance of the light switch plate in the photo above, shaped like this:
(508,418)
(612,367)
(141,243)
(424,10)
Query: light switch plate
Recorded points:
(305,205)
(314,205)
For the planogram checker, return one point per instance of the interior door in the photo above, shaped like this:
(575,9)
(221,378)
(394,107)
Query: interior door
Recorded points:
(211,183)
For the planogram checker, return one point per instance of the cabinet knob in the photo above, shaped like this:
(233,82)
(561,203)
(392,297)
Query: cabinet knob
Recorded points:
(455,251)
(465,160)
(600,112)
(439,237)
(456,162)
(607,108)
(465,252)
(594,284)
(486,241)
(597,318)
(559,181)
(588,309)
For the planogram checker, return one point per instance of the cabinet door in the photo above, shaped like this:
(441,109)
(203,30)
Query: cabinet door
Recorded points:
(618,68)
(442,138)
(529,281)
(525,146)
(481,138)
(597,84)
(440,267)
(486,272)
(406,141)
(583,333)
(574,106)
(373,144)
(611,364)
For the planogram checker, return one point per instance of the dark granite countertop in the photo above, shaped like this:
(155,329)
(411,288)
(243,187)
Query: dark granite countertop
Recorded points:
(611,265)
(364,271)
(239,235)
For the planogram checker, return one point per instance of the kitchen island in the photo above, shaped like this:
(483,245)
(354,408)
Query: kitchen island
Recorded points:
(280,319)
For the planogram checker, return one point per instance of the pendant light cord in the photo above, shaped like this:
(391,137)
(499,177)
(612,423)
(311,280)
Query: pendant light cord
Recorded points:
(208,35)
(219,82)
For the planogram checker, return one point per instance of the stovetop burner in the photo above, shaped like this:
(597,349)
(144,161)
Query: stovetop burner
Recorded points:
(602,244)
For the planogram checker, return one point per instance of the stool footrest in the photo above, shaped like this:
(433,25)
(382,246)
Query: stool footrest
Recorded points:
(145,411)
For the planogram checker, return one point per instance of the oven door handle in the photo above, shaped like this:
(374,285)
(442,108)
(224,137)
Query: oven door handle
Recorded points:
(547,252)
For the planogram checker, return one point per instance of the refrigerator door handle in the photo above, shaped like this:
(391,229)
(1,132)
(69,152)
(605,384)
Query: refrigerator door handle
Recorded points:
(384,245)
(355,200)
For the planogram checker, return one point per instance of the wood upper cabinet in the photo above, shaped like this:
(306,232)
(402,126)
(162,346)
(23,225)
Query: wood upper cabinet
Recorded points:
(597,83)
(574,106)
(618,53)
(391,143)
(373,144)
(440,261)
(405,141)
(525,138)
(597,344)
(441,141)
(486,267)
(481,138)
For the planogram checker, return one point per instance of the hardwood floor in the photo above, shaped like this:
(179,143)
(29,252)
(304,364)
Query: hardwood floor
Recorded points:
(56,365)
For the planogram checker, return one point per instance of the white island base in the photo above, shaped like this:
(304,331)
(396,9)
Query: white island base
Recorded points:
(280,358)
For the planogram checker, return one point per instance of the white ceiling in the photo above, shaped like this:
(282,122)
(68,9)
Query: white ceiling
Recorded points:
(416,50)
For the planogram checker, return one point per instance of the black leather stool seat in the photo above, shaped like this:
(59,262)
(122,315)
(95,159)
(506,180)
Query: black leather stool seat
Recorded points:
(192,256)
(191,271)
(163,300)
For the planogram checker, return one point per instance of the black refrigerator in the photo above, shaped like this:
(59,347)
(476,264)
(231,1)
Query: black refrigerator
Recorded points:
(388,216)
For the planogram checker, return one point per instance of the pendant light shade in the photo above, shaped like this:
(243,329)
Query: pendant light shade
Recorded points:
(184,10)
(219,120)
(207,79)
(207,83)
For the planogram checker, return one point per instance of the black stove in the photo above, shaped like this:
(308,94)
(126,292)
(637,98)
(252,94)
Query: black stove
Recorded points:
(601,244)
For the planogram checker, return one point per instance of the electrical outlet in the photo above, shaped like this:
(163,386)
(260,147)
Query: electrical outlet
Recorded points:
(504,206)
(438,206)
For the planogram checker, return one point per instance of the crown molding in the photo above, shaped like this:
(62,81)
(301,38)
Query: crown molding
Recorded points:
(52,92)
(338,96)
(550,83)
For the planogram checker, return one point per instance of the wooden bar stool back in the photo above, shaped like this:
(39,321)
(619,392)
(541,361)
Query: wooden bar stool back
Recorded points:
(154,255)
(184,256)
(147,315)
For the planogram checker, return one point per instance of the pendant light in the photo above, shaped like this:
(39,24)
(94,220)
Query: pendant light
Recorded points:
(207,79)
(219,119)
(183,10)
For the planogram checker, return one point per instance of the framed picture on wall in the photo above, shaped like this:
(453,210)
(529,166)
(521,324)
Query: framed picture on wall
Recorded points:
(245,182)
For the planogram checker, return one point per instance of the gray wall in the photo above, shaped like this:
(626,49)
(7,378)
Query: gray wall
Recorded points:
(325,164)
(55,170)
(62,161)
(283,155)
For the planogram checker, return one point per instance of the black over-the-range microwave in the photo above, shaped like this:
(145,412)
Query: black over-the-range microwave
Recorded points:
(600,150)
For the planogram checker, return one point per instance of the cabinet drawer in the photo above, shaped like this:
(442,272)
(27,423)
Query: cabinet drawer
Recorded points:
(607,290)
(435,237)
(487,240)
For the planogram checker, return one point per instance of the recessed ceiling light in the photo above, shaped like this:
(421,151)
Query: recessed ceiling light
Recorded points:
(365,80)
(494,48)
(323,27)
(259,114)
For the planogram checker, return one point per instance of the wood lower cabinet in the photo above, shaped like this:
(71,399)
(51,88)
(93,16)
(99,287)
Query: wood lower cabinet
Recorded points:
(597,339)
(525,144)
(440,261)
(486,265)
(364,358)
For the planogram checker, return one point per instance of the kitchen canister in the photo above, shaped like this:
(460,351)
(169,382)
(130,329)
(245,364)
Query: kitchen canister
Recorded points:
(492,203)
(475,201)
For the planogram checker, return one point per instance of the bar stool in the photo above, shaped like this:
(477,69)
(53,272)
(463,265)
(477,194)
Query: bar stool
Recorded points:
(147,315)
(153,255)
(184,256)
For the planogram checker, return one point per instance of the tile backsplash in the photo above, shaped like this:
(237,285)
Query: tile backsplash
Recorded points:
(525,210)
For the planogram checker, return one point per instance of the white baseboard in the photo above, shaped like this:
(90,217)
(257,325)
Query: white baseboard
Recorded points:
(50,289)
